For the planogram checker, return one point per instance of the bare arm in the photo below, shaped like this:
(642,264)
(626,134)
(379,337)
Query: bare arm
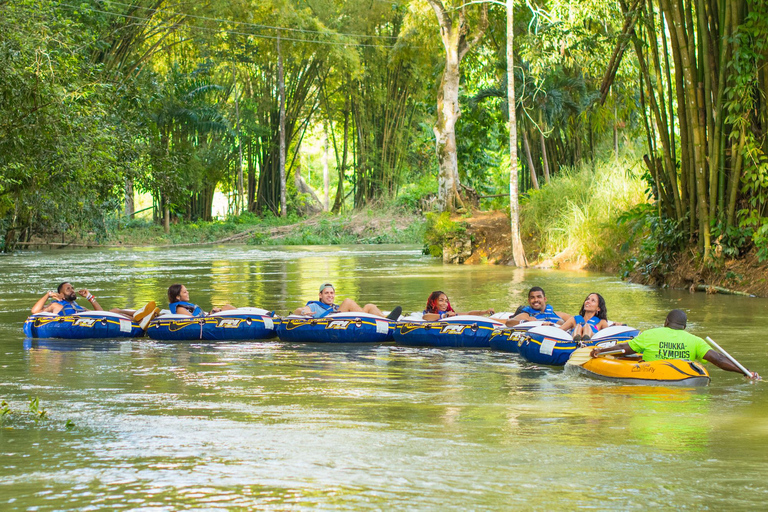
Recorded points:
(304,310)
(478,312)
(621,346)
(724,363)
(89,296)
(40,304)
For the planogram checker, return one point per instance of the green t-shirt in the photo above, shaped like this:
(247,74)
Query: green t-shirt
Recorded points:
(666,343)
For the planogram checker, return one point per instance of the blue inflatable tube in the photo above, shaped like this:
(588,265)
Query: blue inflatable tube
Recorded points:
(85,325)
(507,339)
(466,331)
(354,327)
(552,346)
(232,325)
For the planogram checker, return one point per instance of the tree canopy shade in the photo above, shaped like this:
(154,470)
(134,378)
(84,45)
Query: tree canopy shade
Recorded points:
(181,99)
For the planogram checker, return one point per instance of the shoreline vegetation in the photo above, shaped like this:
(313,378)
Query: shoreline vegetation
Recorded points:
(624,145)
(567,225)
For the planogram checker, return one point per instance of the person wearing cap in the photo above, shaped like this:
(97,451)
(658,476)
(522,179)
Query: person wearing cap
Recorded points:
(325,306)
(673,342)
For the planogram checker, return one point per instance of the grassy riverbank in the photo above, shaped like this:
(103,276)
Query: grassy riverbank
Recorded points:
(382,225)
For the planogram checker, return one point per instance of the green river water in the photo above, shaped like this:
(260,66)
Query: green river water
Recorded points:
(278,426)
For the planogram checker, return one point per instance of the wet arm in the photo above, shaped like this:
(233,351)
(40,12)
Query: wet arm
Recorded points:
(724,363)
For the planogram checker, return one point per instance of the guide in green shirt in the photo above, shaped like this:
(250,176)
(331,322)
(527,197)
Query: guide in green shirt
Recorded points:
(672,342)
(667,343)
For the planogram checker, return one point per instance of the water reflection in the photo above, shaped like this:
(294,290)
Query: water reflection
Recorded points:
(278,425)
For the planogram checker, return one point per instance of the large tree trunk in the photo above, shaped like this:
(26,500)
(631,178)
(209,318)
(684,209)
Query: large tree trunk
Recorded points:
(454,36)
(518,252)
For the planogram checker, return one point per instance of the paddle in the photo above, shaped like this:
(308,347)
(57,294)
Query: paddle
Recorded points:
(726,354)
(582,355)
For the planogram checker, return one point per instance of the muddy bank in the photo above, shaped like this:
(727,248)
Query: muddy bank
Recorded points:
(488,240)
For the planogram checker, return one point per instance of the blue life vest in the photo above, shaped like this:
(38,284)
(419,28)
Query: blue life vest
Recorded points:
(192,308)
(325,308)
(548,315)
(592,322)
(70,308)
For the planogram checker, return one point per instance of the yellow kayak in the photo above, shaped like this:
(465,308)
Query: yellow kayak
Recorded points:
(663,371)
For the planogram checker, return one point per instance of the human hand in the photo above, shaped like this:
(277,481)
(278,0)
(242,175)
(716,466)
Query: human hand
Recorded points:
(450,313)
(489,312)
(215,310)
(754,376)
(83,292)
(306,311)
(595,352)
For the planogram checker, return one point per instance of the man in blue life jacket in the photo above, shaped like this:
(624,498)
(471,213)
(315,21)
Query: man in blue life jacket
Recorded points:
(65,303)
(325,306)
(537,309)
(673,342)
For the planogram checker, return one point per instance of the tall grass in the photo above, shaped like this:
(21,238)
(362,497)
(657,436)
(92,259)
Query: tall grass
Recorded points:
(575,216)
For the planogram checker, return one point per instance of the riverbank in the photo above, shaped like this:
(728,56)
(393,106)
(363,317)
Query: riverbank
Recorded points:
(367,226)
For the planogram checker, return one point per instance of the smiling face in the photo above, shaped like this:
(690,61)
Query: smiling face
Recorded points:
(592,303)
(537,300)
(442,303)
(184,294)
(327,295)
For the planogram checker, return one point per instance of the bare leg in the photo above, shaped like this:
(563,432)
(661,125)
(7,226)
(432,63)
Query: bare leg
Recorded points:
(348,305)
(372,309)
(125,312)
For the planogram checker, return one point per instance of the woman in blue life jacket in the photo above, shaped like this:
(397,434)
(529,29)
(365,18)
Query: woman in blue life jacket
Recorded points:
(592,318)
(178,303)
(439,307)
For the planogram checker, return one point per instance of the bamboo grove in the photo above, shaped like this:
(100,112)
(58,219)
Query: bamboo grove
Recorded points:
(703,83)
(181,100)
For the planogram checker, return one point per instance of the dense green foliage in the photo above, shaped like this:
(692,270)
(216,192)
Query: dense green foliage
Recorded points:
(180,100)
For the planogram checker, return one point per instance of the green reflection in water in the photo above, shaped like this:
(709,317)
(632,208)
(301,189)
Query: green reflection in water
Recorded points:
(269,424)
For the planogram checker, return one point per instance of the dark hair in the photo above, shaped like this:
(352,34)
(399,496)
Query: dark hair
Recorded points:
(536,289)
(602,312)
(58,290)
(432,302)
(173,292)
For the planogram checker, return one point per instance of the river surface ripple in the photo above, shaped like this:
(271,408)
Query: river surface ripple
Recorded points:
(277,426)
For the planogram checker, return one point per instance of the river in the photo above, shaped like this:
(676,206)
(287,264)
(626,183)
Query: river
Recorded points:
(277,426)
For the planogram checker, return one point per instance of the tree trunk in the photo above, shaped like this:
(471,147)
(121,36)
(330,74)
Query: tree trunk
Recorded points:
(281,82)
(454,37)
(326,177)
(531,167)
(129,206)
(518,252)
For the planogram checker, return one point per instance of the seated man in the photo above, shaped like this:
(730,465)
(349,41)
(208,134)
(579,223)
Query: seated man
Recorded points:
(672,342)
(325,306)
(537,309)
(65,303)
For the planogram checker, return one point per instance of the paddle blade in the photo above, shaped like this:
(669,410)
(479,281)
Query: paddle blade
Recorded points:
(579,356)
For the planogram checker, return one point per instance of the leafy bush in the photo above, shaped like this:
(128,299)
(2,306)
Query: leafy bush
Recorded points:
(439,230)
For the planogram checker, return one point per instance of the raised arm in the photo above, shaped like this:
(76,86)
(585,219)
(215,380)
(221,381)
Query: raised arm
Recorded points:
(90,298)
(40,304)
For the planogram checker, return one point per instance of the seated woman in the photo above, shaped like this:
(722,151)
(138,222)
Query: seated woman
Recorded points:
(178,303)
(439,307)
(592,317)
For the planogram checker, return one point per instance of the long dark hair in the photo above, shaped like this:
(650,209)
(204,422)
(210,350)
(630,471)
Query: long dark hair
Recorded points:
(602,312)
(432,302)
(173,292)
